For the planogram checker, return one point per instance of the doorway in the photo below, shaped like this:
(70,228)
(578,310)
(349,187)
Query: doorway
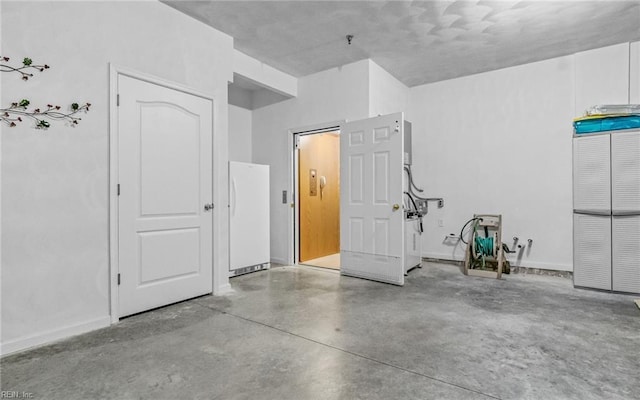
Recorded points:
(162,174)
(371,219)
(318,199)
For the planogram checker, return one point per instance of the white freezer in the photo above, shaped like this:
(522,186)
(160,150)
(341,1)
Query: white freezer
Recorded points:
(249,241)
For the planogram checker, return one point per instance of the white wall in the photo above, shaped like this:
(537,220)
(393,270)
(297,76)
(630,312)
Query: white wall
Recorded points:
(55,250)
(328,96)
(634,73)
(240,97)
(265,75)
(240,134)
(509,130)
(354,91)
(387,95)
(602,77)
(501,142)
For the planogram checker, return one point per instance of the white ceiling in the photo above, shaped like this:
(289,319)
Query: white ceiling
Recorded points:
(416,41)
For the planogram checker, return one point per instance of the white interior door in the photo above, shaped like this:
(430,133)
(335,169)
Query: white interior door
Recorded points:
(371,213)
(165,236)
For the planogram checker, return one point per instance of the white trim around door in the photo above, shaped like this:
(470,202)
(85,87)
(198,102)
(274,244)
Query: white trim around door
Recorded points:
(292,223)
(114,72)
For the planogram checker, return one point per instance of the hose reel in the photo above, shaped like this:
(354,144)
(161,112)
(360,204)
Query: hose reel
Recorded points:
(485,251)
(485,246)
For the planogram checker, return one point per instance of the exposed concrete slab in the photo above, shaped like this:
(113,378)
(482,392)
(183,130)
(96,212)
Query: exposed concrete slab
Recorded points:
(306,333)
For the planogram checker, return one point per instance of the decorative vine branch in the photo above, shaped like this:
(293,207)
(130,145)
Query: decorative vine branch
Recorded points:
(27,64)
(15,113)
(12,115)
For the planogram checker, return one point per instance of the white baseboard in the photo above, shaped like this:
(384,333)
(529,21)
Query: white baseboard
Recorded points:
(547,265)
(223,289)
(442,256)
(527,264)
(53,335)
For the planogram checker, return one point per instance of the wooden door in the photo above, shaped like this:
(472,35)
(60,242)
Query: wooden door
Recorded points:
(319,194)
(165,233)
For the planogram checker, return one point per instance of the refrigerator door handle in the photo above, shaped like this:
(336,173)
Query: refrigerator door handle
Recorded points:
(593,212)
(625,213)
(233,196)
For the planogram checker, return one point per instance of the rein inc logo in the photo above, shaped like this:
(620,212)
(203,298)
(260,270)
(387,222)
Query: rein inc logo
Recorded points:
(14,394)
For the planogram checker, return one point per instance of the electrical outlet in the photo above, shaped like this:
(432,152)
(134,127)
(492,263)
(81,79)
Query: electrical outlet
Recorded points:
(440,222)
(422,206)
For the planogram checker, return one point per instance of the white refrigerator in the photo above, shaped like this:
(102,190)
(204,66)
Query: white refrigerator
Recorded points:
(249,245)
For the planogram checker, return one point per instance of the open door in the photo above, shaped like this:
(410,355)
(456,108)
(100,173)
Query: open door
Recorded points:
(371,214)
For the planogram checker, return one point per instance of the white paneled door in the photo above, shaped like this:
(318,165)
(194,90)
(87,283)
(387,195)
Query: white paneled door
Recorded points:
(165,223)
(371,214)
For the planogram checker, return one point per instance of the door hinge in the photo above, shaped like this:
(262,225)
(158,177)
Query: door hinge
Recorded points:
(118,279)
(297,141)
(118,100)
(118,189)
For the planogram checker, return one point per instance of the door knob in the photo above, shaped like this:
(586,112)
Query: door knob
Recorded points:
(396,207)
(208,207)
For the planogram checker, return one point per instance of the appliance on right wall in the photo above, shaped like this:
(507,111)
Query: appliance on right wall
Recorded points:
(606,209)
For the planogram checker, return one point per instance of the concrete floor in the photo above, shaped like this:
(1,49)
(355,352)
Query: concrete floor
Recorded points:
(303,333)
